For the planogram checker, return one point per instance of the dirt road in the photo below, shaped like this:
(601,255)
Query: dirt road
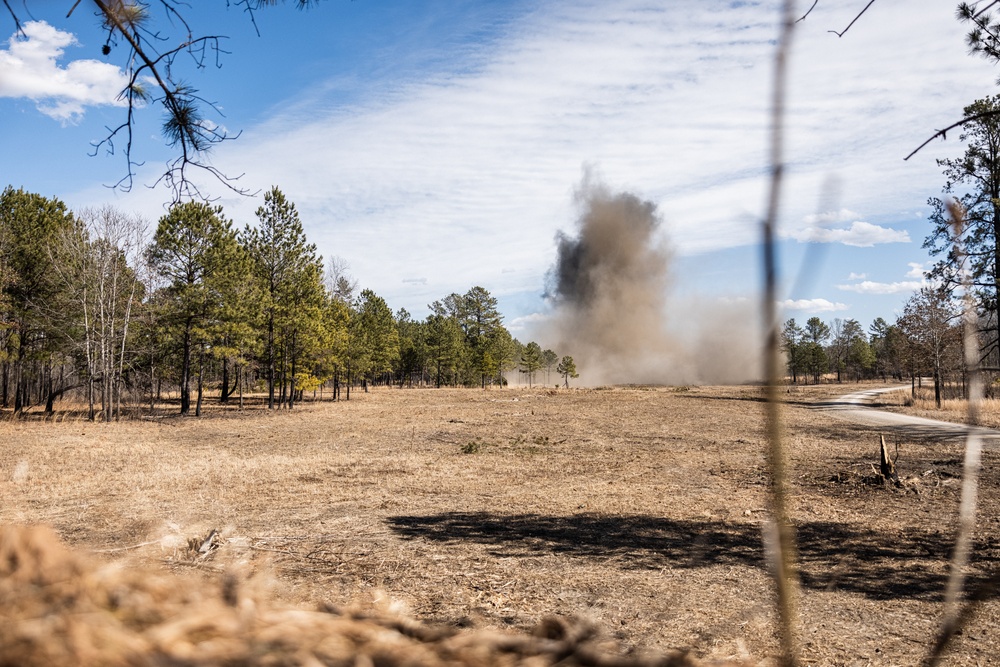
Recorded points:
(855,408)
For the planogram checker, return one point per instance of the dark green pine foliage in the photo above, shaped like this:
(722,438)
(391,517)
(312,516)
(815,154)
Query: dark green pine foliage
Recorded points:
(974,180)
(289,273)
(531,360)
(567,369)
(445,344)
(374,337)
(32,228)
(482,323)
(195,251)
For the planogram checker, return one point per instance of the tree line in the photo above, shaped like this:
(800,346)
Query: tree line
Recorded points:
(91,303)
(924,341)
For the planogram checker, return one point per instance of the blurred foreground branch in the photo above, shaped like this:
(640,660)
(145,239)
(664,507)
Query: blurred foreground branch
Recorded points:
(782,542)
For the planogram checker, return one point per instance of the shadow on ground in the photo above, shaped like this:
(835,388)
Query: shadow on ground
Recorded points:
(832,556)
(748,397)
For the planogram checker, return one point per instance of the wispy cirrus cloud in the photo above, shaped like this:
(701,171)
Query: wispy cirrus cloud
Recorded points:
(29,68)
(468,171)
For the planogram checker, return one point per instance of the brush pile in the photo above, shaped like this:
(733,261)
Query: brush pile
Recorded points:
(58,607)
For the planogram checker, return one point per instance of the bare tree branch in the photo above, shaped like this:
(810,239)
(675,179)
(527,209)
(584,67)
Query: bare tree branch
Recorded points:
(943,133)
(781,546)
(844,31)
(17,23)
(803,17)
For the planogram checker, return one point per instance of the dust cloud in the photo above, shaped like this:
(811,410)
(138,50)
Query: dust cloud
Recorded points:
(615,312)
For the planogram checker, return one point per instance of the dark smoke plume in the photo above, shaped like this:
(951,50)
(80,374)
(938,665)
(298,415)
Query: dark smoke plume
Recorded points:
(609,288)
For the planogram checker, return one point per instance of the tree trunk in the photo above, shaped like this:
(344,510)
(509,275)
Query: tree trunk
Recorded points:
(225,381)
(291,382)
(56,394)
(995,195)
(937,386)
(186,370)
(152,385)
(19,382)
(201,381)
(270,362)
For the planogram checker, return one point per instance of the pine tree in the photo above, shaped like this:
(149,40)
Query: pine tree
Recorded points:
(531,360)
(792,336)
(412,347)
(32,228)
(567,368)
(481,320)
(195,251)
(444,338)
(973,179)
(290,276)
(375,335)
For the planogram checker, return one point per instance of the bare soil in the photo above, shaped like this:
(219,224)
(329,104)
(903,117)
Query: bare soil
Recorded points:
(641,508)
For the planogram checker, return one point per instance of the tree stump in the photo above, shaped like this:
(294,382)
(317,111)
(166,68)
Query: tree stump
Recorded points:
(886,467)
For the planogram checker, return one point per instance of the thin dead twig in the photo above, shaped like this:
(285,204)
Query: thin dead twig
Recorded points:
(844,31)
(803,17)
(128,548)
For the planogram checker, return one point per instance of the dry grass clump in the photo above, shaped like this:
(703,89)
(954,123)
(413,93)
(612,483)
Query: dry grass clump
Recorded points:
(58,608)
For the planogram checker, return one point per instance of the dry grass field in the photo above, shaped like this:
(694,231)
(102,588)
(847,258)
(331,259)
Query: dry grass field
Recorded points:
(639,508)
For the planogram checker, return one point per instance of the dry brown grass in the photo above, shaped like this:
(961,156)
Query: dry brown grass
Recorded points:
(59,608)
(639,508)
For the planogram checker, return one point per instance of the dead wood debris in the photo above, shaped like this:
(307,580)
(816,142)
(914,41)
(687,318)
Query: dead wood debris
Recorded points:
(59,608)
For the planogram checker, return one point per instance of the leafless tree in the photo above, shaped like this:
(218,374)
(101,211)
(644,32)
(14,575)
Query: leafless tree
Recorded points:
(98,269)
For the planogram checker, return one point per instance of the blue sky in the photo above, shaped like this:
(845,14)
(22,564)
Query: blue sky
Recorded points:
(437,145)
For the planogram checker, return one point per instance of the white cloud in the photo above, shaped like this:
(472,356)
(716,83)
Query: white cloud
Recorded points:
(857,276)
(917,269)
(521,323)
(870,287)
(813,305)
(860,234)
(29,69)
(415,281)
(830,217)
